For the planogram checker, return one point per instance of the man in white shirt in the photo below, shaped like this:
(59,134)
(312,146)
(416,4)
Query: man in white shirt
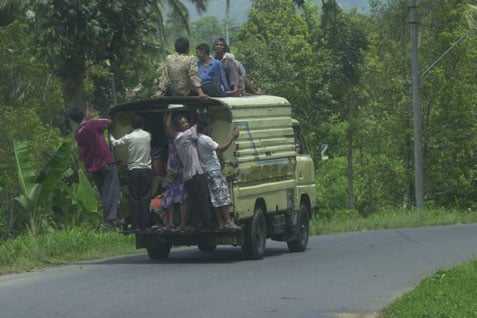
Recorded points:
(217,184)
(139,177)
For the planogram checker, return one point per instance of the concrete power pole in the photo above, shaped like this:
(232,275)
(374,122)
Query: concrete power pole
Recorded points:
(416,106)
(227,21)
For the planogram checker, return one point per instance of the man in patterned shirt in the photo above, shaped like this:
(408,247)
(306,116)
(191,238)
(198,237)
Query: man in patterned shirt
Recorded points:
(180,76)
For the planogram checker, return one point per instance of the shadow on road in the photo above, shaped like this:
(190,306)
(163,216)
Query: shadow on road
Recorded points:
(222,255)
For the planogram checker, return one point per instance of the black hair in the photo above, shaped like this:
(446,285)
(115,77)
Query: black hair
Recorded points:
(176,121)
(182,45)
(203,121)
(76,115)
(221,39)
(137,122)
(203,47)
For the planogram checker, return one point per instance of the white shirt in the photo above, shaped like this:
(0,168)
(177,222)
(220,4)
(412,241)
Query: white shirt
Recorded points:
(187,150)
(139,148)
(207,154)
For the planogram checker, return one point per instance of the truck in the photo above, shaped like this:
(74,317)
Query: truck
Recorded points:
(270,174)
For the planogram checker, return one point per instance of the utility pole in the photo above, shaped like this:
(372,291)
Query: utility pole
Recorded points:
(227,21)
(416,107)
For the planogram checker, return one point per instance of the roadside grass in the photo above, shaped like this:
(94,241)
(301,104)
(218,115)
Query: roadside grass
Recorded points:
(448,293)
(350,221)
(26,252)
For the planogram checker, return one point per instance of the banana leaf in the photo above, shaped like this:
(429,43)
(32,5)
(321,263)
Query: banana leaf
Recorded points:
(26,174)
(38,190)
(54,170)
(84,193)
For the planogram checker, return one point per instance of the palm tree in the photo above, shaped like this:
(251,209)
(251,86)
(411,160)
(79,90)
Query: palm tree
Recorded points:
(179,10)
(9,10)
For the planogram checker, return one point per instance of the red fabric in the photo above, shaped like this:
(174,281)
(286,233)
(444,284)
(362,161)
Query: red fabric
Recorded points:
(93,148)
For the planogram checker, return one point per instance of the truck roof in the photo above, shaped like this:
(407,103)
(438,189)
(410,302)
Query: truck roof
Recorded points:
(195,102)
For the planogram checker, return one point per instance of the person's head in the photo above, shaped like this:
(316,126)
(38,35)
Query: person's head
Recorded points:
(182,45)
(203,51)
(220,46)
(180,123)
(204,124)
(137,122)
(76,115)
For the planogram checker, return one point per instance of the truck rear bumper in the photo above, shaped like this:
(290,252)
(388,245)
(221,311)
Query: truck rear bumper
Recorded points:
(151,239)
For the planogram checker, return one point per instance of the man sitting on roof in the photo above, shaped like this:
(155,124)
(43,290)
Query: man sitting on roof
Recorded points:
(211,72)
(231,71)
(180,74)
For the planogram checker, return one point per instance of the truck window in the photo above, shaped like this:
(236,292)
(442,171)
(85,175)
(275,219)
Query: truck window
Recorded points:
(300,146)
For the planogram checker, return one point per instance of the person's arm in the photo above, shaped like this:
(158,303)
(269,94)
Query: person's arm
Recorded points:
(100,123)
(226,145)
(168,126)
(119,142)
(195,79)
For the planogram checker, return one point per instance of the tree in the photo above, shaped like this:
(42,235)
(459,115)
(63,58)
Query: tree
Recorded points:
(180,15)
(344,36)
(25,80)
(75,35)
(9,10)
(273,45)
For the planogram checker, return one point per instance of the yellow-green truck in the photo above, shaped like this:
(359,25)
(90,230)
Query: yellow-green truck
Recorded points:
(271,176)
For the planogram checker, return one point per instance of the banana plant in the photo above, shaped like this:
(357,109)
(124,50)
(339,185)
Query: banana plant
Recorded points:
(38,189)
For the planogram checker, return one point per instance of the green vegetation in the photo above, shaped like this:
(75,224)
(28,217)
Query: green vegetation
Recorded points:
(343,221)
(448,293)
(27,252)
(346,75)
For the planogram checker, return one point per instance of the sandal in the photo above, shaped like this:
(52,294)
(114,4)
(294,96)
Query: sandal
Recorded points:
(231,226)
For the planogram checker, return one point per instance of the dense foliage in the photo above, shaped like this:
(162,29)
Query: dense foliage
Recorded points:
(346,74)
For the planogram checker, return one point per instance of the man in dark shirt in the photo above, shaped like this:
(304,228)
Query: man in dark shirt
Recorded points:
(99,162)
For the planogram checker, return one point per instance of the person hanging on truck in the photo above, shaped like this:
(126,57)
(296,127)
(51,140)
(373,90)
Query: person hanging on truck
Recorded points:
(231,71)
(180,74)
(211,73)
(139,177)
(219,192)
(194,177)
(99,162)
(175,194)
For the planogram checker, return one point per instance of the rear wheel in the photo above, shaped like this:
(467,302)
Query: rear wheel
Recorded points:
(302,230)
(206,247)
(159,252)
(255,235)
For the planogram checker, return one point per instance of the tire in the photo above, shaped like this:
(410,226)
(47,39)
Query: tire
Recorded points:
(160,252)
(205,247)
(302,230)
(255,235)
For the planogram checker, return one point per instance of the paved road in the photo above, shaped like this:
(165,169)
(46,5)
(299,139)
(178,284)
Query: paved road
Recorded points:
(338,274)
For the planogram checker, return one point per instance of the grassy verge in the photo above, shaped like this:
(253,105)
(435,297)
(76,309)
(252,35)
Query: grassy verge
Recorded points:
(61,247)
(448,293)
(350,221)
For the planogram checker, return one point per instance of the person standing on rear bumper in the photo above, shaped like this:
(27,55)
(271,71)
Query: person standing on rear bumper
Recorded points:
(139,177)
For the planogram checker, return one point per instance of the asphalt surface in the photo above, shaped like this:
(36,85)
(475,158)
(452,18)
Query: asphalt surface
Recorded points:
(338,275)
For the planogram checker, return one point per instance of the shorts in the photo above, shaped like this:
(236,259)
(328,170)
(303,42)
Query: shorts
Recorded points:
(219,191)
